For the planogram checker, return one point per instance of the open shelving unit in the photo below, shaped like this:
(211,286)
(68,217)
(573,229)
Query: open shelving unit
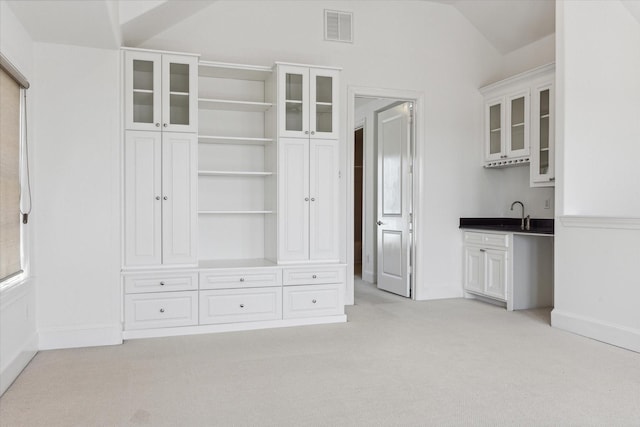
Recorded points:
(236,187)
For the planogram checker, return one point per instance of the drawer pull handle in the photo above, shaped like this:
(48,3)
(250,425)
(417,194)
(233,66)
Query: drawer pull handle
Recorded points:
(314,301)
(161,283)
(314,276)
(242,279)
(483,250)
(162,310)
(241,305)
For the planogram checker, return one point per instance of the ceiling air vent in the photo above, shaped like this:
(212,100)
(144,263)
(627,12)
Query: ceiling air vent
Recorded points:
(338,26)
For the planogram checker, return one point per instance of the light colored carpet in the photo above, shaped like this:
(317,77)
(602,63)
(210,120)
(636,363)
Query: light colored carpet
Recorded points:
(396,362)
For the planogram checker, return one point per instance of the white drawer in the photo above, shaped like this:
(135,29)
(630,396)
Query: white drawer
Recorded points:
(487,239)
(313,275)
(160,310)
(233,278)
(312,301)
(160,282)
(240,305)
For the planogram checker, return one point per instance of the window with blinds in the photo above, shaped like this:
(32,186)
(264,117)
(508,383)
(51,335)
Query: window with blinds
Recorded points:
(10,263)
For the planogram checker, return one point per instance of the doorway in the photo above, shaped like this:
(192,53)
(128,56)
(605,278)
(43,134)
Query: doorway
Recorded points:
(363,248)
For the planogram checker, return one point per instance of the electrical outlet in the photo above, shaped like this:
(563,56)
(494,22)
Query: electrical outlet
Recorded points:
(547,204)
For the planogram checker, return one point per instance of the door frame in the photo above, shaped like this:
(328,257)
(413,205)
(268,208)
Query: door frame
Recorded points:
(418,116)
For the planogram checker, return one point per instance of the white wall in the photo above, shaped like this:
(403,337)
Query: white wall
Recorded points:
(598,196)
(77,136)
(419,46)
(18,338)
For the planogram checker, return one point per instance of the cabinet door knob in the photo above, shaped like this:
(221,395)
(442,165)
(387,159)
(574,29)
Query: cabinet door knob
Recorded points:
(241,305)
(165,125)
(165,198)
(157,125)
(306,199)
(162,310)
(306,132)
(314,276)
(553,178)
(483,250)
(157,197)
(380,223)
(161,283)
(313,132)
(314,301)
(242,279)
(313,199)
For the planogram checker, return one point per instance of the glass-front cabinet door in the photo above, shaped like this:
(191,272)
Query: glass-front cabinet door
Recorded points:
(323,113)
(494,134)
(179,97)
(543,136)
(293,90)
(143,97)
(518,125)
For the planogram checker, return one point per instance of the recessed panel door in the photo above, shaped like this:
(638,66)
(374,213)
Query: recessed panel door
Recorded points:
(496,273)
(143,91)
(293,95)
(323,200)
(179,94)
(494,120)
(394,195)
(474,269)
(323,107)
(518,124)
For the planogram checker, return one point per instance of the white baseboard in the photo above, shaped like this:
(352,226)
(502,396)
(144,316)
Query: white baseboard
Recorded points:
(444,292)
(13,368)
(88,336)
(609,333)
(368,276)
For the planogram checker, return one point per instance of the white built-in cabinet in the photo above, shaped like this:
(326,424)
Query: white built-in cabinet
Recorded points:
(160,198)
(519,118)
(231,177)
(486,257)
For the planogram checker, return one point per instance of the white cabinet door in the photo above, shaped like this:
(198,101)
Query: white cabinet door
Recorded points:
(517,124)
(179,93)
(143,90)
(494,132)
(293,199)
(473,269)
(293,101)
(323,200)
(496,273)
(143,193)
(543,136)
(179,198)
(323,103)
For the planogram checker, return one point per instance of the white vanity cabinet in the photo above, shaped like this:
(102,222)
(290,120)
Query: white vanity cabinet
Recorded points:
(160,176)
(307,101)
(160,91)
(486,261)
(518,123)
(308,200)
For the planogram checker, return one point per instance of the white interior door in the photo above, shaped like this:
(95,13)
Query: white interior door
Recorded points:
(394,199)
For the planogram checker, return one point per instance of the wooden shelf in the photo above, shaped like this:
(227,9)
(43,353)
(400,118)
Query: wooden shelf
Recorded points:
(544,116)
(240,140)
(517,125)
(179,93)
(223,70)
(233,212)
(233,173)
(495,130)
(229,105)
(544,149)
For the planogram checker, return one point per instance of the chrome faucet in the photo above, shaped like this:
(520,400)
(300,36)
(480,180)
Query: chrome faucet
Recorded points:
(522,221)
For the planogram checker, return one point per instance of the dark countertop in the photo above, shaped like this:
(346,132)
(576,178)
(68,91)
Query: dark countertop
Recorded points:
(508,225)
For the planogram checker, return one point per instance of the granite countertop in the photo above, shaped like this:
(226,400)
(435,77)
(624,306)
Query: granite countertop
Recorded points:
(508,225)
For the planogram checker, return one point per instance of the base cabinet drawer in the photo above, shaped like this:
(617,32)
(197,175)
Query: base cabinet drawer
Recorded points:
(226,279)
(240,305)
(160,282)
(160,310)
(312,300)
(312,275)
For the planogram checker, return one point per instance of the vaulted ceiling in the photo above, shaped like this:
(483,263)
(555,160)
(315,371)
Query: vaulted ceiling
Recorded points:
(506,24)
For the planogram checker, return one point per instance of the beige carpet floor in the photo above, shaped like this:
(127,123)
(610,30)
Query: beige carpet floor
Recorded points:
(396,362)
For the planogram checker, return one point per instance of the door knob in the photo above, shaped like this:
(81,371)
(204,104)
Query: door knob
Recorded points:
(380,223)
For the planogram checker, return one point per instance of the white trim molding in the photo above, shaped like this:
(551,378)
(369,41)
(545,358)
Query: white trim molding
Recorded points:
(606,222)
(621,336)
(85,336)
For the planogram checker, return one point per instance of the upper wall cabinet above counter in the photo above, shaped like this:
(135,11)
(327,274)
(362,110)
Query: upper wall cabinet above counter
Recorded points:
(519,123)
(161,91)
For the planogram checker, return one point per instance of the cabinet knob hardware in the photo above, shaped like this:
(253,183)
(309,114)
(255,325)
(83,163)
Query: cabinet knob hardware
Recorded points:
(380,223)
(306,132)
(313,132)
(162,310)
(242,279)
(157,197)
(161,283)
(157,125)
(483,250)
(314,276)
(313,199)
(241,305)
(314,301)
(165,125)
(306,199)
(165,198)
(553,178)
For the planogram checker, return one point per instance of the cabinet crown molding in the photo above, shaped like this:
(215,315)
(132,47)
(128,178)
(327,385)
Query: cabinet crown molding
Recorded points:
(524,77)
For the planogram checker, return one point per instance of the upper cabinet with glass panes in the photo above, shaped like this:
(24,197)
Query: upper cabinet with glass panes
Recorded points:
(513,131)
(161,91)
(307,101)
